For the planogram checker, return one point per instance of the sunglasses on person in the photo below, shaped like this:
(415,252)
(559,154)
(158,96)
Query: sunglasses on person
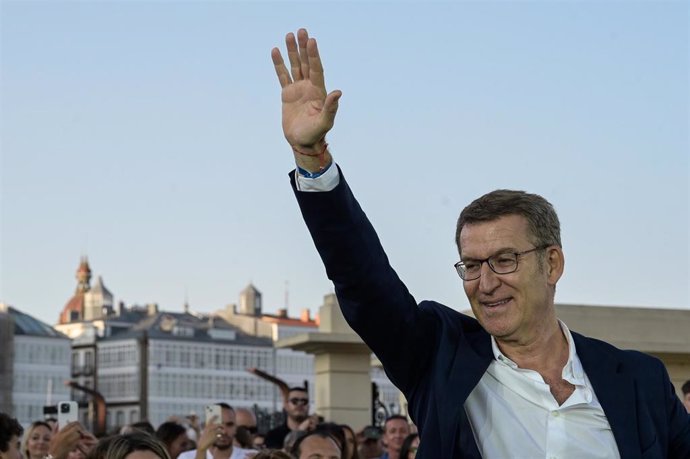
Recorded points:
(299,401)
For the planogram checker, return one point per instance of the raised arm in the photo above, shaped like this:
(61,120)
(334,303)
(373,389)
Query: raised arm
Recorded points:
(308,110)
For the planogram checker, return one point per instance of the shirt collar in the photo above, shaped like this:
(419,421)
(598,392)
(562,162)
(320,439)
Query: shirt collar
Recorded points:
(572,370)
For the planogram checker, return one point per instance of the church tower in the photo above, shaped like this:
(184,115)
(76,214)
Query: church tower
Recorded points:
(98,301)
(250,301)
(74,309)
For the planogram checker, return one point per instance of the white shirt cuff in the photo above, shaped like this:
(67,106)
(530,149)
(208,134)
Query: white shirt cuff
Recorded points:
(325,182)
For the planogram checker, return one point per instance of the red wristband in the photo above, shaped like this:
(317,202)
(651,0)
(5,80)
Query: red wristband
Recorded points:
(321,156)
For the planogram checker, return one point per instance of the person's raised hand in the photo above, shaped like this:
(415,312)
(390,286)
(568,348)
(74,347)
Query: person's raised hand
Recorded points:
(208,436)
(310,423)
(72,436)
(308,110)
(87,443)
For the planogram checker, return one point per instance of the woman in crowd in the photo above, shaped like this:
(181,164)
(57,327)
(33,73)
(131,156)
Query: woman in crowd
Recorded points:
(338,433)
(174,437)
(76,453)
(36,440)
(408,450)
(351,451)
(137,445)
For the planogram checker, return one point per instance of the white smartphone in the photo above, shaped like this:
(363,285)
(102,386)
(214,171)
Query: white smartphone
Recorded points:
(68,411)
(211,411)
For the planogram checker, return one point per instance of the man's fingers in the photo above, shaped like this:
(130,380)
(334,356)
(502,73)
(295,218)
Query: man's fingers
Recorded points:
(302,39)
(70,427)
(330,105)
(293,56)
(281,71)
(315,66)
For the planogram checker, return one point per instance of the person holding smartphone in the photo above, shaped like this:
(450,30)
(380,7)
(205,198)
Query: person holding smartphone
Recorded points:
(217,438)
(69,438)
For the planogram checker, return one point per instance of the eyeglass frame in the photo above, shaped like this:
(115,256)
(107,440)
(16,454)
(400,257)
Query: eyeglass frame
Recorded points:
(517,255)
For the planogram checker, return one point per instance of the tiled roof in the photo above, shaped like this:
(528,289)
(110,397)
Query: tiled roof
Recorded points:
(162,324)
(76,303)
(294,322)
(99,288)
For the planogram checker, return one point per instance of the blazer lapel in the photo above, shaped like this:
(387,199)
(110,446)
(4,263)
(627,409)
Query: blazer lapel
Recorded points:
(615,390)
(469,364)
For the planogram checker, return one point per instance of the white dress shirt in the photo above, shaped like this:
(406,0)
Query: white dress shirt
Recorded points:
(514,415)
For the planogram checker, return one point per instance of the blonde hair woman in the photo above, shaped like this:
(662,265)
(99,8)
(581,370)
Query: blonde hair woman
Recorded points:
(36,440)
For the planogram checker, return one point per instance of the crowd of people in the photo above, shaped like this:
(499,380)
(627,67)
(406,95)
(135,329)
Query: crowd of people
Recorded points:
(233,436)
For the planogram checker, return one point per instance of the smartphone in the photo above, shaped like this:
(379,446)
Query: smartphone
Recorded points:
(67,412)
(213,410)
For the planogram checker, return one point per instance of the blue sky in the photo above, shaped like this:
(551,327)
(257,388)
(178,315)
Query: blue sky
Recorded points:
(147,136)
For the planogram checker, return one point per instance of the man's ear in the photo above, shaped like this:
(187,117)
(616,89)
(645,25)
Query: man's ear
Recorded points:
(555,263)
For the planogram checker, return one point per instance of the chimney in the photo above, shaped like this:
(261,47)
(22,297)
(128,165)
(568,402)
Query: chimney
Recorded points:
(282,313)
(304,317)
(120,308)
(152,309)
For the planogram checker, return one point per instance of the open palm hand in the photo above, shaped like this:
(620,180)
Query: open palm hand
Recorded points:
(308,111)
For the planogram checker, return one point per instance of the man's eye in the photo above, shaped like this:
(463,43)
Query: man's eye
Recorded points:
(471,266)
(504,260)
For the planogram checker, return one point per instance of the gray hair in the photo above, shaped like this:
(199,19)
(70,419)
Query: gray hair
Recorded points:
(542,220)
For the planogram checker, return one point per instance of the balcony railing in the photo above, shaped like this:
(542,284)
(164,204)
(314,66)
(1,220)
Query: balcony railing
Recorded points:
(82,370)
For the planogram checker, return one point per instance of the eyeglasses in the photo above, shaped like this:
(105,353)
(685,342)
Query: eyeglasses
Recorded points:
(299,401)
(501,263)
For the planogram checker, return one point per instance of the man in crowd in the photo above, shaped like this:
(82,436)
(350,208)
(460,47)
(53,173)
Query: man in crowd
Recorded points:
(246,427)
(10,437)
(296,408)
(317,444)
(395,429)
(216,440)
(686,395)
(244,417)
(512,382)
(369,443)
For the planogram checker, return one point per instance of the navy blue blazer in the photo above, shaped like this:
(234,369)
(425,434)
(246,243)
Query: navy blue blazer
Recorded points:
(436,356)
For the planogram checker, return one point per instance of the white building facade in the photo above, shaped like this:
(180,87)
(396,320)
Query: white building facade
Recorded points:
(177,364)
(40,366)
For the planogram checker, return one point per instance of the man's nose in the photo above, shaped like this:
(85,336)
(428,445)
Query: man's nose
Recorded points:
(488,281)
